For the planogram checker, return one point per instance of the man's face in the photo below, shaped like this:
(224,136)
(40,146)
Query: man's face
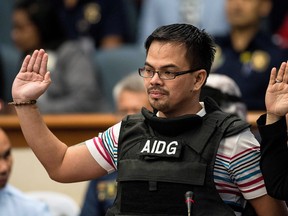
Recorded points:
(171,97)
(5,159)
(243,13)
(131,102)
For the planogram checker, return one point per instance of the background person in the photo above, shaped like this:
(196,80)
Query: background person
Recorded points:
(102,21)
(12,201)
(76,86)
(178,61)
(130,95)
(155,13)
(247,53)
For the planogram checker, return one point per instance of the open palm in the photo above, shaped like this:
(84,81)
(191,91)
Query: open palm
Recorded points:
(276,98)
(33,78)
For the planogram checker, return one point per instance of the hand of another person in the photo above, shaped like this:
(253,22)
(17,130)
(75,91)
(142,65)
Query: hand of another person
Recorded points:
(276,98)
(33,78)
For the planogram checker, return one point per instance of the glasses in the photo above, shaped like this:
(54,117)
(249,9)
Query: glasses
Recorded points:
(165,75)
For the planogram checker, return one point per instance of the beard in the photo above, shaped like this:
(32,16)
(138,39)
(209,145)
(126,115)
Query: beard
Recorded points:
(158,104)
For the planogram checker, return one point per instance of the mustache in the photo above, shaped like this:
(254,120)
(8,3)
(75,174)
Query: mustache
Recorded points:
(157,89)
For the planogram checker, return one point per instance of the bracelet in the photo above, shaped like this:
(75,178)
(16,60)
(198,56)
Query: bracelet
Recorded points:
(30,102)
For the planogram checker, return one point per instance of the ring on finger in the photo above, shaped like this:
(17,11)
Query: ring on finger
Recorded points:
(278,81)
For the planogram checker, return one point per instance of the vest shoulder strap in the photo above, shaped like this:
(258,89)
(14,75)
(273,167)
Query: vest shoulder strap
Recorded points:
(230,124)
(136,117)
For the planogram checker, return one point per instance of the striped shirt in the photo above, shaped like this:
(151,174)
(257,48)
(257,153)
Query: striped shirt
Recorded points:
(237,174)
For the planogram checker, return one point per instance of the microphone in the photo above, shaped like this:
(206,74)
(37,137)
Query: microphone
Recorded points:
(189,200)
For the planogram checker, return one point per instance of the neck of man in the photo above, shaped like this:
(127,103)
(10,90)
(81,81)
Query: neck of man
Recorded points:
(175,113)
(241,36)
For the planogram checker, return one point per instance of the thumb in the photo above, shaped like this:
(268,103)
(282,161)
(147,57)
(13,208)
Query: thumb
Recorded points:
(47,77)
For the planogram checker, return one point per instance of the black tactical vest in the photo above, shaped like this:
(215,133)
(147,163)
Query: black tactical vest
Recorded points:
(160,159)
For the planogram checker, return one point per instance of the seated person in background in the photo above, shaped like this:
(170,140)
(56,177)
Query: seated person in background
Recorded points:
(130,96)
(246,54)
(273,130)
(101,20)
(226,93)
(76,86)
(12,201)
(99,196)
(156,13)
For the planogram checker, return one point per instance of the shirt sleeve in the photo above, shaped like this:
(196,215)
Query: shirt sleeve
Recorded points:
(104,148)
(240,155)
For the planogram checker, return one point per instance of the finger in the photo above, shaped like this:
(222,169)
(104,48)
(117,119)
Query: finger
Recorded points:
(285,77)
(281,72)
(36,66)
(32,60)
(272,76)
(43,65)
(25,63)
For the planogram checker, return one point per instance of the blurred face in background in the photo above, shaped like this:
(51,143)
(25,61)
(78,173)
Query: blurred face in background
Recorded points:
(131,102)
(5,159)
(244,13)
(24,34)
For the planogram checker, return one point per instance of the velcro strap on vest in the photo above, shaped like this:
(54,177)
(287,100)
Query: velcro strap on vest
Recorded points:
(137,170)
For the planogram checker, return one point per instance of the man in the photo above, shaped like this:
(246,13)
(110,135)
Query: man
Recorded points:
(183,147)
(156,13)
(129,96)
(12,201)
(273,130)
(247,53)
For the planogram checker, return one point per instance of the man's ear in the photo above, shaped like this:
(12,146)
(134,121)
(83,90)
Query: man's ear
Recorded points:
(200,79)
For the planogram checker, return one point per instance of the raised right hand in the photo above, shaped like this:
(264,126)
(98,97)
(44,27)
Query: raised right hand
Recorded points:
(33,78)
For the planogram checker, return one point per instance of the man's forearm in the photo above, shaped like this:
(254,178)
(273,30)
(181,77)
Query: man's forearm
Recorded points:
(48,148)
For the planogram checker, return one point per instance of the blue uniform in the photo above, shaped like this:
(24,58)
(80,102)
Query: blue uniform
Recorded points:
(250,69)
(100,196)
(94,18)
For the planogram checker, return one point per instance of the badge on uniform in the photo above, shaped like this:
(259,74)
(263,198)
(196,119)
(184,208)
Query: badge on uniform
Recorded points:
(106,190)
(260,60)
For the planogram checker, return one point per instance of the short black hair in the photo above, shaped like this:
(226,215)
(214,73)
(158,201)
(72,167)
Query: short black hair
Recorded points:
(200,45)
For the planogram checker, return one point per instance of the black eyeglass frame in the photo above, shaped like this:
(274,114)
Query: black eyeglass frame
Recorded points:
(176,73)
